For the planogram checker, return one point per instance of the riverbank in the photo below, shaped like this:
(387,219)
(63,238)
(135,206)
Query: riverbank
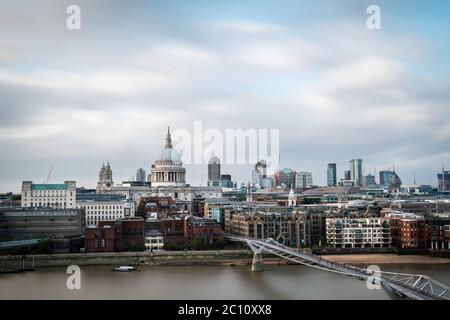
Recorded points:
(197,258)
(158,258)
(385,258)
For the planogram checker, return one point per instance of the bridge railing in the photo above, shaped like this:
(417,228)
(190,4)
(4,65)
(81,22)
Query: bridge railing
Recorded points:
(417,283)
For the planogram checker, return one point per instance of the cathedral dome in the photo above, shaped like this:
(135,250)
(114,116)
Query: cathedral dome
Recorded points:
(170,155)
(168,171)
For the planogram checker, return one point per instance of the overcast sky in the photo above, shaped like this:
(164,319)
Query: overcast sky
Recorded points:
(334,89)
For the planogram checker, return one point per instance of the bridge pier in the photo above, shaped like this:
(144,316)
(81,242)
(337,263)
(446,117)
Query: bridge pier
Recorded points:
(258,262)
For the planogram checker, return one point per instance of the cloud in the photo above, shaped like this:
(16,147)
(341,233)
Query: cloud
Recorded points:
(335,90)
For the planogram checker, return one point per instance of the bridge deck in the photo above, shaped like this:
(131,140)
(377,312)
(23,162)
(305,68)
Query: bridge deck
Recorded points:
(418,287)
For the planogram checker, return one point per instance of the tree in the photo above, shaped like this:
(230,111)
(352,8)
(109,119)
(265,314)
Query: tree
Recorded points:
(197,243)
(219,244)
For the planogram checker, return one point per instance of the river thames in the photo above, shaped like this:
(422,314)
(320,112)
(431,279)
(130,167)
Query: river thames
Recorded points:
(202,282)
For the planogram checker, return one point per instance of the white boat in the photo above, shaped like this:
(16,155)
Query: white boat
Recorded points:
(124,269)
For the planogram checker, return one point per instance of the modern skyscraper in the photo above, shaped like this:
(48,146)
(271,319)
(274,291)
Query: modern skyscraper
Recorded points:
(356,171)
(303,179)
(287,178)
(387,176)
(331,175)
(259,174)
(444,180)
(369,180)
(214,169)
(141,175)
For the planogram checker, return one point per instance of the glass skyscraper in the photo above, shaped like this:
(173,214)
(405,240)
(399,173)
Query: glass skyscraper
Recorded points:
(331,175)
(356,171)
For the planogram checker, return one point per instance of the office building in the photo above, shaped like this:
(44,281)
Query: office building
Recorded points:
(444,181)
(356,171)
(41,223)
(214,169)
(387,178)
(141,175)
(331,175)
(303,179)
(369,180)
(100,209)
(286,178)
(62,195)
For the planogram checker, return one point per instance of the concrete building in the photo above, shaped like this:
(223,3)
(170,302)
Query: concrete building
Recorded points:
(358,232)
(106,210)
(331,175)
(154,240)
(168,170)
(61,195)
(141,175)
(27,223)
(369,180)
(356,171)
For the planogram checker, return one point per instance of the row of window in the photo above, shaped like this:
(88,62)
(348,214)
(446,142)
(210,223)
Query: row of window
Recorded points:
(49,193)
(49,204)
(110,207)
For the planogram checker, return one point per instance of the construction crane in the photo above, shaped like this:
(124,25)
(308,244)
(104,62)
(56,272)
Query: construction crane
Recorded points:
(49,173)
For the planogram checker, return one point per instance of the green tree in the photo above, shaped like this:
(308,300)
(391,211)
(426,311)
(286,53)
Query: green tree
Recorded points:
(197,243)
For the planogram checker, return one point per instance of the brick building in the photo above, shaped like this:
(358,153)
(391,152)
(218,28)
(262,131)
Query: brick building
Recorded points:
(163,207)
(408,230)
(100,239)
(122,235)
(187,232)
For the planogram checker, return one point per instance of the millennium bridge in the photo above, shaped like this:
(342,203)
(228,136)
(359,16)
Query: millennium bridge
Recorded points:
(410,286)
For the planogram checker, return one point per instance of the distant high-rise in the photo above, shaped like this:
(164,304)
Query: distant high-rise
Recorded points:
(214,169)
(356,171)
(303,179)
(369,180)
(259,174)
(287,178)
(444,180)
(141,175)
(331,174)
(347,175)
(387,176)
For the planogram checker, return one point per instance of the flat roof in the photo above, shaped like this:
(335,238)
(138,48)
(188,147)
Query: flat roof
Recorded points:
(54,186)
